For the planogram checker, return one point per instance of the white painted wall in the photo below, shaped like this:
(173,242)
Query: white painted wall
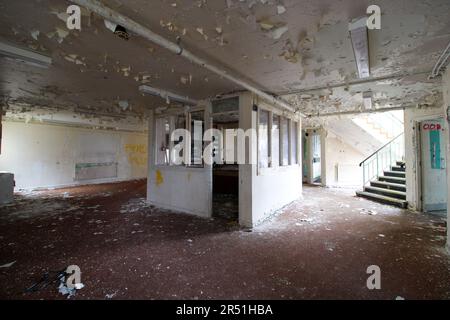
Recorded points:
(354,135)
(42,155)
(342,163)
(412,147)
(262,192)
(179,188)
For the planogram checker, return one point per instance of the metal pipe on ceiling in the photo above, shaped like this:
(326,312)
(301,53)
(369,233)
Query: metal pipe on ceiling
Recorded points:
(167,95)
(441,63)
(131,25)
(345,113)
(353,82)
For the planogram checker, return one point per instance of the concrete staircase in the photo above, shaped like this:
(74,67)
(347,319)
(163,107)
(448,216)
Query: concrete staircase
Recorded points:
(390,188)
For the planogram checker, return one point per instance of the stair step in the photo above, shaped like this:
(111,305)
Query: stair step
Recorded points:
(400,163)
(392,179)
(394,174)
(388,185)
(386,192)
(398,168)
(382,199)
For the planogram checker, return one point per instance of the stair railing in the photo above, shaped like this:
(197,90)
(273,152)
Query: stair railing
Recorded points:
(382,159)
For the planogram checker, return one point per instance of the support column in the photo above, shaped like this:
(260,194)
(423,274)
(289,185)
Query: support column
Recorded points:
(150,150)
(323,156)
(247,120)
(309,156)
(446,111)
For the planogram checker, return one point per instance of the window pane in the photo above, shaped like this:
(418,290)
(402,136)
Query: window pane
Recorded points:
(275,141)
(162,141)
(285,141)
(180,123)
(263,139)
(197,126)
(294,134)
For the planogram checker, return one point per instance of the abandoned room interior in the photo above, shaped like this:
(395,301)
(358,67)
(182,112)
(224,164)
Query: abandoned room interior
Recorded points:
(224,149)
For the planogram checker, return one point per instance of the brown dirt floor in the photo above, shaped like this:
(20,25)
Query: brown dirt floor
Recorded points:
(315,248)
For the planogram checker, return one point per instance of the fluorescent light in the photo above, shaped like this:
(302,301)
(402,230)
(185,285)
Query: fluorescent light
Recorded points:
(360,42)
(367,99)
(25,55)
(168,96)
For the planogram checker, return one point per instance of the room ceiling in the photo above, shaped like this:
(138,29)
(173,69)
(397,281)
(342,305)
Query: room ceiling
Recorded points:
(311,63)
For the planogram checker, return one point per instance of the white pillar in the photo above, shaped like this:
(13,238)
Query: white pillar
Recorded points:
(150,150)
(323,156)
(446,111)
(247,120)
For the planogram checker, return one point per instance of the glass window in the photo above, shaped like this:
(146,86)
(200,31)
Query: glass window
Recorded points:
(263,139)
(162,141)
(294,143)
(197,127)
(180,123)
(275,156)
(285,141)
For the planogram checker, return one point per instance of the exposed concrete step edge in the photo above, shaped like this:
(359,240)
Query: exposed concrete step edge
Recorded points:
(396,179)
(386,192)
(383,199)
(399,174)
(398,169)
(388,185)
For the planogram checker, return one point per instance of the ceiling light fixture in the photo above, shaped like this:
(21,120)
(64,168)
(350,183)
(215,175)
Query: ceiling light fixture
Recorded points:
(118,30)
(360,43)
(167,95)
(26,55)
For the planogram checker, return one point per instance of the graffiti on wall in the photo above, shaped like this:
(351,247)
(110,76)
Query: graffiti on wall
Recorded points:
(137,154)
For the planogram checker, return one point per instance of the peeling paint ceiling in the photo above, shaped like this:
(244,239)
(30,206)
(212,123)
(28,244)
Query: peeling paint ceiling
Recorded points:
(298,48)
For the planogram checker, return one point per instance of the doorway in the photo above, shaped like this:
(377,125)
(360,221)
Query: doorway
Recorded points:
(312,156)
(225,173)
(305,153)
(433,166)
(316,151)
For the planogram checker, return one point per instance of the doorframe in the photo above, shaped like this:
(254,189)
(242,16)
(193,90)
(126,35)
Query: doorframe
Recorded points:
(419,171)
(418,156)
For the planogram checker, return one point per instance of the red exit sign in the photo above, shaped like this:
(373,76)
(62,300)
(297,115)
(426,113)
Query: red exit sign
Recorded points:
(432,126)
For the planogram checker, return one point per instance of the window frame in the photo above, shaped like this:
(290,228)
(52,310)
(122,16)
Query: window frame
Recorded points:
(273,115)
(291,125)
(156,147)
(269,144)
(172,117)
(282,146)
(189,142)
(293,128)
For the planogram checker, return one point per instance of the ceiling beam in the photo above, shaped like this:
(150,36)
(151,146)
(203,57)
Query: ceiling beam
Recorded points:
(351,112)
(23,54)
(354,82)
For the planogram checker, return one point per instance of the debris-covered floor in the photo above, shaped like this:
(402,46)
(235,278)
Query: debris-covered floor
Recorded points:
(319,247)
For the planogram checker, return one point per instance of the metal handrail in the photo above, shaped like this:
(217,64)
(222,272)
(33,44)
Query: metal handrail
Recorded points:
(387,144)
(382,159)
